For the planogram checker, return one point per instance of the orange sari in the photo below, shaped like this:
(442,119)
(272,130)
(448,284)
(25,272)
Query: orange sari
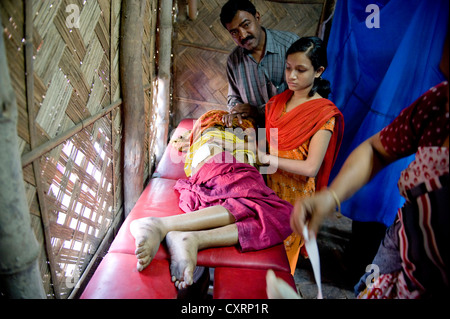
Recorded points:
(295,130)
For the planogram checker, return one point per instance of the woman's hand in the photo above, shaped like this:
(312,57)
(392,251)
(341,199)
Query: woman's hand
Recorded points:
(311,211)
(262,157)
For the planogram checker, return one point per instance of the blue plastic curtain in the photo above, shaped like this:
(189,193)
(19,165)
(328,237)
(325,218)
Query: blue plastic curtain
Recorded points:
(376,69)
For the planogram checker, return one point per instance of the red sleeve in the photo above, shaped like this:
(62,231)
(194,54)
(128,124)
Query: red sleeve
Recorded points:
(423,123)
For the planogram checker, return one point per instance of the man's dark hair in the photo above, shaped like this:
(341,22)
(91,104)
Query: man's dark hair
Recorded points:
(230,9)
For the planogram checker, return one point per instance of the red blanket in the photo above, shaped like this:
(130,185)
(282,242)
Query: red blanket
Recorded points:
(262,218)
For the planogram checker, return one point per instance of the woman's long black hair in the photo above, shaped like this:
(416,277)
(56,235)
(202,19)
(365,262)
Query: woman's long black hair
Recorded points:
(317,53)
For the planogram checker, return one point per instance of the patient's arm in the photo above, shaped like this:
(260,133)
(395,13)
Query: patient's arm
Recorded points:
(307,167)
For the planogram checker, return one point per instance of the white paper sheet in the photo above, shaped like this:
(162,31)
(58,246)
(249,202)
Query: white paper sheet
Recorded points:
(313,253)
(202,153)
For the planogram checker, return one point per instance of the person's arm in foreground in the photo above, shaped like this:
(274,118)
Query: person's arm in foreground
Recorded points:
(359,168)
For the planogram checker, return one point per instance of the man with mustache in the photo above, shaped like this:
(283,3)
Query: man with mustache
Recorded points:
(255,68)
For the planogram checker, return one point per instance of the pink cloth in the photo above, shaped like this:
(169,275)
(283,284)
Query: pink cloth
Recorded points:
(262,218)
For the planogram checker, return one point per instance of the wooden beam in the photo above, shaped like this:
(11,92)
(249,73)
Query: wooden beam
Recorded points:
(19,249)
(29,76)
(164,78)
(51,144)
(192,12)
(131,74)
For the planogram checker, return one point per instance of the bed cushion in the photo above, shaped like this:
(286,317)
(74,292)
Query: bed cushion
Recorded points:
(117,278)
(238,283)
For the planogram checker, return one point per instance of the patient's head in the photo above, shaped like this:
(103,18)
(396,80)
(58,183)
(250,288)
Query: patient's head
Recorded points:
(213,119)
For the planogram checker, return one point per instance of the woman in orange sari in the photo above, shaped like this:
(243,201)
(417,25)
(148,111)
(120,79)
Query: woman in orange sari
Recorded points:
(309,130)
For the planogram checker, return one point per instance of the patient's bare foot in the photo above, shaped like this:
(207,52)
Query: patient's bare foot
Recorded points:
(183,248)
(148,233)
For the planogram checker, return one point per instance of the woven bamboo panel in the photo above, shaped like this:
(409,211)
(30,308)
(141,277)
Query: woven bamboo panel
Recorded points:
(79,199)
(202,47)
(76,75)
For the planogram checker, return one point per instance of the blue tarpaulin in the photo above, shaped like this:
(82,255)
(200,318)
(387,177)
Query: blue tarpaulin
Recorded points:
(377,66)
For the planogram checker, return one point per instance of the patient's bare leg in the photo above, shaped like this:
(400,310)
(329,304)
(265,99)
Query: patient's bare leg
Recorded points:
(183,247)
(150,231)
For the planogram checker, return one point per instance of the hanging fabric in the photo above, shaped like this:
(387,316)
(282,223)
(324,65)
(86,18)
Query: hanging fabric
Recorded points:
(382,55)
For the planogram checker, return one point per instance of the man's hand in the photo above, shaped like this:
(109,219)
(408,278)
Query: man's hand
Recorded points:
(241,111)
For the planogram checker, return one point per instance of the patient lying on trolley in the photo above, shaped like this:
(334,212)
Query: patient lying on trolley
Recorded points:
(225,197)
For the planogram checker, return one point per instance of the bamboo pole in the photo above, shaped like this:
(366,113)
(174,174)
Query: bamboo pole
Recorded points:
(164,78)
(192,9)
(51,144)
(19,249)
(131,74)
(29,71)
(60,138)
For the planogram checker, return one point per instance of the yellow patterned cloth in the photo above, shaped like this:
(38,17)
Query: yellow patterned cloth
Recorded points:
(227,138)
(209,129)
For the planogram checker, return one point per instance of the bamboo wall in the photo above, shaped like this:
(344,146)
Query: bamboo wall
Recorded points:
(202,46)
(71,132)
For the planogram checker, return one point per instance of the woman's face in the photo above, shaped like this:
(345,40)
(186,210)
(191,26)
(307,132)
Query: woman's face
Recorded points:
(300,73)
